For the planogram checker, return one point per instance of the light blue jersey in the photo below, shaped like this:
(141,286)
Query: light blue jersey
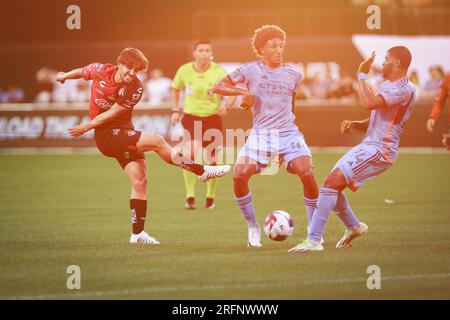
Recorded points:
(379,149)
(272,89)
(388,123)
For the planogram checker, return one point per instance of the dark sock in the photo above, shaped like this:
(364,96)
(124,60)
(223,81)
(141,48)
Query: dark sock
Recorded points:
(138,214)
(193,167)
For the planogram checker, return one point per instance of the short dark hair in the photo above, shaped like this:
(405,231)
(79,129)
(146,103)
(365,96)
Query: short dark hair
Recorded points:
(201,41)
(403,55)
(264,34)
(133,58)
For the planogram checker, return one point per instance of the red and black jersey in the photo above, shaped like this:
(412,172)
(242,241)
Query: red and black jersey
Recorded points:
(441,97)
(105,93)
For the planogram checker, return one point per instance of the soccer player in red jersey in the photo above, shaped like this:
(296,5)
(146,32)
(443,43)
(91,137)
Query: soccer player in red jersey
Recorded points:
(439,103)
(115,91)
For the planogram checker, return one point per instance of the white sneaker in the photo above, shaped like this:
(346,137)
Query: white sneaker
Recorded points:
(212,172)
(143,238)
(351,234)
(254,237)
(307,245)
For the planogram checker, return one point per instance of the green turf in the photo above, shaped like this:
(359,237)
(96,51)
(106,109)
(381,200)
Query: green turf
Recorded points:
(61,210)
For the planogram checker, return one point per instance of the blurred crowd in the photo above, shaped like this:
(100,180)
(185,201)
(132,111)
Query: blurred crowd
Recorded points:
(157,88)
(323,81)
(12,94)
(342,85)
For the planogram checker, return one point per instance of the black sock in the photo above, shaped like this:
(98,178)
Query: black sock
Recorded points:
(138,214)
(193,167)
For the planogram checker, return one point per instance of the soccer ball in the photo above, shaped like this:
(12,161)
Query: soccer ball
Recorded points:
(278,225)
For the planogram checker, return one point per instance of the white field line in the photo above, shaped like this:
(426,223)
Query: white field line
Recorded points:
(80,294)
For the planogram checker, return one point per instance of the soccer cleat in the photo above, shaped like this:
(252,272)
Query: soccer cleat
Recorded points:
(190,203)
(210,203)
(351,234)
(254,237)
(143,238)
(307,245)
(212,172)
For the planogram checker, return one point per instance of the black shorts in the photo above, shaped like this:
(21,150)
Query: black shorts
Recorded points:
(118,143)
(211,122)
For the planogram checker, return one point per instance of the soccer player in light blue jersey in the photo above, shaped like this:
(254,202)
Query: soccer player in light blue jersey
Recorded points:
(270,91)
(391,107)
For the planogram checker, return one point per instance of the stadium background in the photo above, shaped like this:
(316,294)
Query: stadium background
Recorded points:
(34,35)
(60,209)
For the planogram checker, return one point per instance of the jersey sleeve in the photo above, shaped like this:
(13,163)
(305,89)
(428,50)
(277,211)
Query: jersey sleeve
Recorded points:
(131,96)
(441,98)
(90,71)
(394,95)
(300,77)
(239,75)
(178,82)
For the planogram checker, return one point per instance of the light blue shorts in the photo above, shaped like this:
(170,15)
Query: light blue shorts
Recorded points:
(361,164)
(267,146)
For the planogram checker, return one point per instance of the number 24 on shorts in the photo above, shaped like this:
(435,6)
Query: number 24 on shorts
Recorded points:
(296,145)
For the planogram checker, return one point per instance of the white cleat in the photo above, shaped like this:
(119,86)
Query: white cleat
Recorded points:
(351,234)
(143,238)
(212,172)
(306,246)
(254,237)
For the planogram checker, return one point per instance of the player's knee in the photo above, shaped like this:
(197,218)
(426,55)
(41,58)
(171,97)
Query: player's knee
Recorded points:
(158,142)
(331,182)
(241,176)
(307,175)
(140,184)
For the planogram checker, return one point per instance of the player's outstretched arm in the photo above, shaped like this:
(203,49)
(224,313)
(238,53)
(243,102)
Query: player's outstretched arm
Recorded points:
(73,74)
(226,87)
(98,121)
(348,126)
(370,100)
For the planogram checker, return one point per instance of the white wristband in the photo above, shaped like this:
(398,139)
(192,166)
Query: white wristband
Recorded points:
(362,76)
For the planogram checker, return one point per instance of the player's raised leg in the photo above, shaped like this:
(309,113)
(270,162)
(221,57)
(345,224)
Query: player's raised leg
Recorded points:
(244,169)
(329,194)
(156,143)
(353,227)
(137,173)
(334,183)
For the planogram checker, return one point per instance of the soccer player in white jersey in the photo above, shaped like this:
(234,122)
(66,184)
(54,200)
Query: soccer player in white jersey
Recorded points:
(391,107)
(270,90)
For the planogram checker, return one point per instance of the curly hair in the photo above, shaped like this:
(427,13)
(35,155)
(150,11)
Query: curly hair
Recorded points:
(133,58)
(264,34)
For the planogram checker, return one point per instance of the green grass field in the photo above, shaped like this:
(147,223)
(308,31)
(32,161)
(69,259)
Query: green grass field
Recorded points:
(61,210)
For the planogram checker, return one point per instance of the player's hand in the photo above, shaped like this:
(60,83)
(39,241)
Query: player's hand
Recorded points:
(430,124)
(60,77)
(77,130)
(247,101)
(446,141)
(223,111)
(175,118)
(346,126)
(364,67)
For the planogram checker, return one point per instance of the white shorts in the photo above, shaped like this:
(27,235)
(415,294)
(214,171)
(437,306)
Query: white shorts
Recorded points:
(361,164)
(266,147)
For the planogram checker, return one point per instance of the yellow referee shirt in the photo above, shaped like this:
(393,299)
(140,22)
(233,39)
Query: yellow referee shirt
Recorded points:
(198,99)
